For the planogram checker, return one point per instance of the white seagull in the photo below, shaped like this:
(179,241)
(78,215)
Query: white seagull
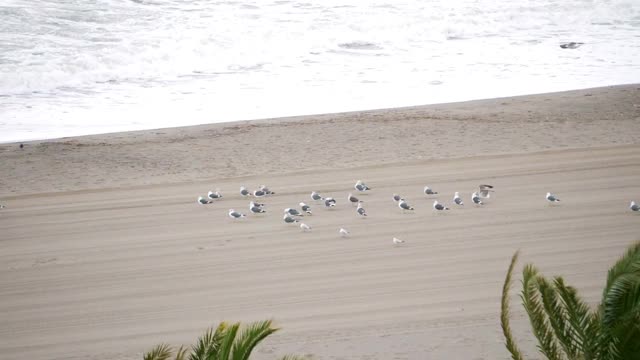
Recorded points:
(266,190)
(360,186)
(456,199)
(288,219)
(244,192)
(292,211)
(485,191)
(343,232)
(397,241)
(352,199)
(634,207)
(256,208)
(438,206)
(305,227)
(235,215)
(361,210)
(329,202)
(202,201)
(402,204)
(428,191)
(214,195)
(315,196)
(552,198)
(306,208)
(259,193)
(476,199)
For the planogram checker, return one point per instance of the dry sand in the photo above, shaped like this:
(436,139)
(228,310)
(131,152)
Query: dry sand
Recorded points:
(105,252)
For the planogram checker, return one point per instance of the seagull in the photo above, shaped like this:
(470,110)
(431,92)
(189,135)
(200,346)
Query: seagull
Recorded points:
(288,219)
(428,191)
(485,191)
(256,208)
(456,199)
(396,197)
(306,208)
(266,190)
(633,206)
(343,232)
(402,204)
(360,186)
(329,202)
(315,196)
(2,206)
(476,199)
(352,199)
(361,210)
(438,206)
(214,195)
(397,241)
(244,191)
(305,227)
(259,193)
(293,212)
(552,198)
(235,215)
(203,201)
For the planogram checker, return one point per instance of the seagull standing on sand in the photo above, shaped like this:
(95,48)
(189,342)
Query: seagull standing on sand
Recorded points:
(633,206)
(352,199)
(259,193)
(202,201)
(214,195)
(476,199)
(244,192)
(235,215)
(361,210)
(397,241)
(457,200)
(428,191)
(256,208)
(305,227)
(438,206)
(329,202)
(315,196)
(360,186)
(485,191)
(266,190)
(343,232)
(2,206)
(293,212)
(402,204)
(552,198)
(306,208)
(397,197)
(288,219)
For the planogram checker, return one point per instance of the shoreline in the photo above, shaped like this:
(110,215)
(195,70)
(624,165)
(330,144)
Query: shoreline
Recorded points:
(318,116)
(576,119)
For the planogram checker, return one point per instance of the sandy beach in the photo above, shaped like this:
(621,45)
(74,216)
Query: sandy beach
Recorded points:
(105,252)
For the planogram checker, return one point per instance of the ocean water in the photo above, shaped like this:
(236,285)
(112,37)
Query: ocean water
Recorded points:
(72,67)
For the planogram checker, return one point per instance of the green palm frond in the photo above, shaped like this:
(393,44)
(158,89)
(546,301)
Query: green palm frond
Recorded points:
(226,345)
(251,336)
(628,264)
(622,297)
(160,352)
(578,316)
(557,317)
(547,343)
(510,343)
(207,346)
(181,354)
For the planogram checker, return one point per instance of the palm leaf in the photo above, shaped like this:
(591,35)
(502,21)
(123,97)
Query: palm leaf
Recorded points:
(557,317)
(227,342)
(628,264)
(510,343)
(251,336)
(160,352)
(181,354)
(579,318)
(208,344)
(547,344)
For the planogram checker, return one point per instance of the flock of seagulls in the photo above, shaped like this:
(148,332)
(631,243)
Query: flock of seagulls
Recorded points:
(293,215)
